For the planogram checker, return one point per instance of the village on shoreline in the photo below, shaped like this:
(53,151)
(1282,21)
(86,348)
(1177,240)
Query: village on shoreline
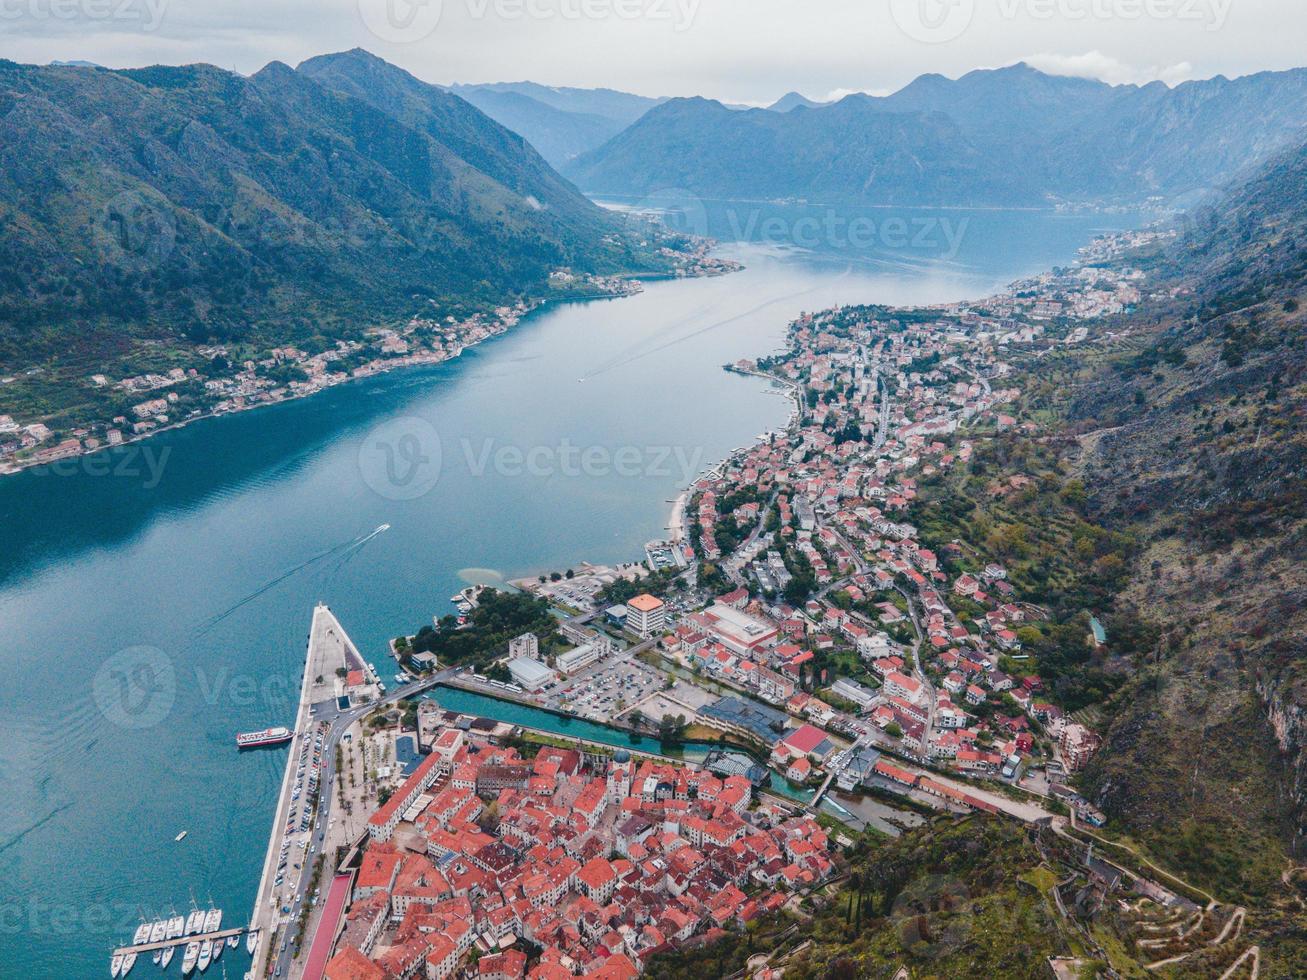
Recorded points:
(795,616)
(181,396)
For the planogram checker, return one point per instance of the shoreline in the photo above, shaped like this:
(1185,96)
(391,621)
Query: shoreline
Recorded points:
(369,370)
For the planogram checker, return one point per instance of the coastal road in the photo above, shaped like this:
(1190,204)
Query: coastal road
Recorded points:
(277,907)
(339,722)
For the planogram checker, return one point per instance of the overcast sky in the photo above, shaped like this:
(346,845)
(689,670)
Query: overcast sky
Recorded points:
(734,50)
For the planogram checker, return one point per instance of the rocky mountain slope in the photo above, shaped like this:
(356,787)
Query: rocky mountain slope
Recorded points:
(191,203)
(1006,137)
(1190,433)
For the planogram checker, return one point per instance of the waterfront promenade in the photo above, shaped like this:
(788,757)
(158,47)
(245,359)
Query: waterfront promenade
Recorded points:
(326,652)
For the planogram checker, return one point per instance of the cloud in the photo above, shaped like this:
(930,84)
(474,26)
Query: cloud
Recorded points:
(1105,67)
(841,93)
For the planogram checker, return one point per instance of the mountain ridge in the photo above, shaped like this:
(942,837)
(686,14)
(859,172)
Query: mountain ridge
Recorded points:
(1019,137)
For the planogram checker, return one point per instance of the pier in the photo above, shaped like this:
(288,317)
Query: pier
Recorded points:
(222,935)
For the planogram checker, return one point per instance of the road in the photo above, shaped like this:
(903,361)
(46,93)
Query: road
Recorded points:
(277,907)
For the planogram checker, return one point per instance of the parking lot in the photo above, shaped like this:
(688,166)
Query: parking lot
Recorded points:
(605,689)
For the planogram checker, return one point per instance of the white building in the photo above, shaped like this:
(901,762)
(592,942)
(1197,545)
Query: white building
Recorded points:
(851,690)
(579,658)
(526,645)
(646,615)
(532,675)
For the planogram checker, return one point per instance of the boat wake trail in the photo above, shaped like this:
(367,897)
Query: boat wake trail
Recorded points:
(340,549)
(34,827)
(712,326)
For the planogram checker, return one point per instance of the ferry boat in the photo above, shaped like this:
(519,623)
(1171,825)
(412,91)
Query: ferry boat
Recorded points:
(269,736)
(206,955)
(191,955)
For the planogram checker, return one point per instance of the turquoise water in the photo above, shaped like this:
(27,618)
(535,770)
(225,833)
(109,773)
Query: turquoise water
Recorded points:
(483,706)
(186,578)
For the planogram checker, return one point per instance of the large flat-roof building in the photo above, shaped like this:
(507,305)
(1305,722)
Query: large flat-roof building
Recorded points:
(532,675)
(735,629)
(579,658)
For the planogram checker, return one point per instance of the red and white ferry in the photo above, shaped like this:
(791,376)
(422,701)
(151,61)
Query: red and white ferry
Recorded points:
(269,736)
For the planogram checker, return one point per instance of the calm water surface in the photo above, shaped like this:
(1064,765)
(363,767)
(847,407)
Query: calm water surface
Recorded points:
(560,442)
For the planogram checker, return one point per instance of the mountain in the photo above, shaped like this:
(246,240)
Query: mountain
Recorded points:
(191,203)
(1007,137)
(793,100)
(562,123)
(1192,439)
(851,150)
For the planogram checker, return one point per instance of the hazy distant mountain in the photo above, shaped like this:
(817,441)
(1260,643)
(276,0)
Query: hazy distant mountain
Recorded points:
(792,100)
(173,201)
(562,123)
(1011,136)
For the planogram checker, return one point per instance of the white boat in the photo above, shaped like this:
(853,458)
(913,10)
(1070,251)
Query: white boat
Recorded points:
(142,934)
(206,955)
(213,920)
(176,927)
(194,921)
(252,941)
(129,961)
(164,960)
(181,836)
(157,956)
(217,949)
(234,940)
(115,964)
(157,930)
(188,960)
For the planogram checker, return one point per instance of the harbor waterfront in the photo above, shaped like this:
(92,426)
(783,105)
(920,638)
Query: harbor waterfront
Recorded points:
(155,606)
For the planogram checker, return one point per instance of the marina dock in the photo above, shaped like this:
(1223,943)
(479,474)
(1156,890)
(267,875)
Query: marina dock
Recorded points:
(222,935)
